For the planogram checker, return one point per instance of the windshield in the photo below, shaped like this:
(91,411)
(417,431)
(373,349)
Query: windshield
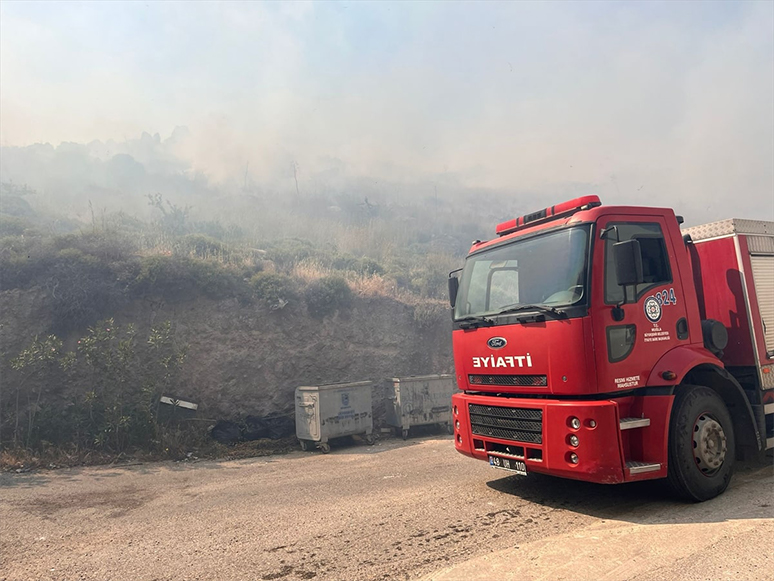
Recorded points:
(547,270)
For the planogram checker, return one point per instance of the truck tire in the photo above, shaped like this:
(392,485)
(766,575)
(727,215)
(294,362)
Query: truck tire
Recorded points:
(701,444)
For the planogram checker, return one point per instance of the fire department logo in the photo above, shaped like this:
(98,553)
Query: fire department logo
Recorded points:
(345,399)
(497,342)
(652,310)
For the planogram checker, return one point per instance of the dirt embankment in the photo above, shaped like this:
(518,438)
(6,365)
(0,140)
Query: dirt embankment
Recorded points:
(247,359)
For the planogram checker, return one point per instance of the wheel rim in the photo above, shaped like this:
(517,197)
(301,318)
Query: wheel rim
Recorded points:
(709,444)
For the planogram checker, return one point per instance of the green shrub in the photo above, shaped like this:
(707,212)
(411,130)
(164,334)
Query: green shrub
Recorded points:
(287,253)
(82,284)
(365,266)
(215,280)
(345,262)
(108,247)
(370,267)
(327,295)
(164,276)
(423,274)
(274,289)
(103,395)
(180,277)
(250,270)
(202,246)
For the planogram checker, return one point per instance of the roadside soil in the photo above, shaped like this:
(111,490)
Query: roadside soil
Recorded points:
(21,461)
(395,510)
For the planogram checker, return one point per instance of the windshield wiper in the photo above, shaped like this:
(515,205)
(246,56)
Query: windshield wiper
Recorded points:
(473,321)
(543,308)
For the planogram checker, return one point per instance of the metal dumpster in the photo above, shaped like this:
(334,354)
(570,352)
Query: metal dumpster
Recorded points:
(324,412)
(420,401)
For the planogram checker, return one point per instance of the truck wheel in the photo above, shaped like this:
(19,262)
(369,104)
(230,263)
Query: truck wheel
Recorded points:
(701,444)
(370,439)
(404,434)
(325,447)
(304,445)
(450,429)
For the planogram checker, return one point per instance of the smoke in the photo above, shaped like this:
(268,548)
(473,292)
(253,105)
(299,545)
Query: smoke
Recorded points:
(658,104)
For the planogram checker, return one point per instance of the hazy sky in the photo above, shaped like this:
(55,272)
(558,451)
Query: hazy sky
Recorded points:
(653,103)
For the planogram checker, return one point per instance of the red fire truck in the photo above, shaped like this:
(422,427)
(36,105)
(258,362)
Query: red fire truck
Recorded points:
(601,343)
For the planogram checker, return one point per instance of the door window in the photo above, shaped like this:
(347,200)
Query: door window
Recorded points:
(655,260)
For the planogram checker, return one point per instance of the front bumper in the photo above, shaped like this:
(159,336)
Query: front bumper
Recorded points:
(599,448)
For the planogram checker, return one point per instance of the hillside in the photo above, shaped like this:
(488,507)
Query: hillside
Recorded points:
(125,275)
(99,323)
(248,359)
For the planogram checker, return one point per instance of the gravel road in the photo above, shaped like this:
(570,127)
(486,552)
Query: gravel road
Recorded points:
(396,510)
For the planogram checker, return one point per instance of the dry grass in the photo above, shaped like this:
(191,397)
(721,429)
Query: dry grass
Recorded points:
(376,285)
(311,270)
(364,285)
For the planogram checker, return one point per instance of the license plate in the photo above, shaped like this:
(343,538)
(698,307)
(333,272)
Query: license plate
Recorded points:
(516,466)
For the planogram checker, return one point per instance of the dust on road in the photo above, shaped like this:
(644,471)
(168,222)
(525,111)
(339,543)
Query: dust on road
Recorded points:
(397,510)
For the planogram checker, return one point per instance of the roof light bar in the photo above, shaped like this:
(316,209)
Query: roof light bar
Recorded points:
(553,212)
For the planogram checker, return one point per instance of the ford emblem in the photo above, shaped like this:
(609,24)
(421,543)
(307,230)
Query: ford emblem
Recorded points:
(497,342)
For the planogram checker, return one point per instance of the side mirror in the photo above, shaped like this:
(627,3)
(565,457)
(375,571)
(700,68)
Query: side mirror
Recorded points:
(454,285)
(627,257)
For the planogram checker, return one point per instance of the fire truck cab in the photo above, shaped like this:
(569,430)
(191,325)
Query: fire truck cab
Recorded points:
(601,343)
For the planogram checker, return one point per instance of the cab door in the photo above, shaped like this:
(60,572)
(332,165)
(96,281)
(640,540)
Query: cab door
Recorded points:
(630,340)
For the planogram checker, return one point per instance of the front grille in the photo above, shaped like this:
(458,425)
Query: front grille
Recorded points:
(512,380)
(516,424)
